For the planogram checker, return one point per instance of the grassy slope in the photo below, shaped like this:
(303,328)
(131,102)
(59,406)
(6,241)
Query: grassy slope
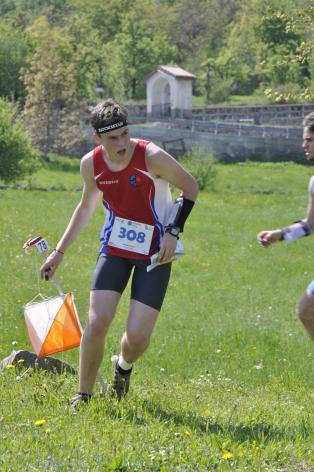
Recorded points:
(227,383)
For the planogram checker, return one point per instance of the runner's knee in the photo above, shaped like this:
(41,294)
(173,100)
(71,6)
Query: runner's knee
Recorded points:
(138,337)
(98,324)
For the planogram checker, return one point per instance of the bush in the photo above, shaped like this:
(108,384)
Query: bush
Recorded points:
(17,156)
(289,93)
(220,90)
(202,166)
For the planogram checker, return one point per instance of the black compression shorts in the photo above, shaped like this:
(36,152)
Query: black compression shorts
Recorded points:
(113,273)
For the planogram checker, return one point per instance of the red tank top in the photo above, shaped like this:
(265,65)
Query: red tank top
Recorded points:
(131,194)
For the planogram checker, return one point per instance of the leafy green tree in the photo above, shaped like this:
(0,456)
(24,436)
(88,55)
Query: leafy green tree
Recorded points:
(280,40)
(104,18)
(13,51)
(52,112)
(100,30)
(137,50)
(236,61)
(198,30)
(298,87)
(198,27)
(303,20)
(6,6)
(25,12)
(17,156)
(274,28)
(258,45)
(91,26)
(90,57)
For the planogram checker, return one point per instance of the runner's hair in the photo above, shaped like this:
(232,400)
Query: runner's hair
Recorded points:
(108,112)
(308,122)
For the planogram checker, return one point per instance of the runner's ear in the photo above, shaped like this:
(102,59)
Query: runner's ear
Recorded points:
(97,138)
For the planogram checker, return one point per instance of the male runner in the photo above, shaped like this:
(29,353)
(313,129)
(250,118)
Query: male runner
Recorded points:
(300,229)
(134,177)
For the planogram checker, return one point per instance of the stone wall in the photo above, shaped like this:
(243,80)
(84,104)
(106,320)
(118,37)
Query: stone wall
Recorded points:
(291,114)
(227,148)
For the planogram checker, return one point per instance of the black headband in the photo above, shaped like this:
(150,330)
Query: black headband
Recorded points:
(112,126)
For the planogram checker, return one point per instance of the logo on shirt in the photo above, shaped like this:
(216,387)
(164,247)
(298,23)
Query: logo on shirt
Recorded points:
(108,182)
(134,180)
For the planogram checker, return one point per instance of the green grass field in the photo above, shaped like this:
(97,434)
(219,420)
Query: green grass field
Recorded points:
(228,381)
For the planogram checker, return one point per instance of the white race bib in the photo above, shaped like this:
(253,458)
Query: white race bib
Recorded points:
(42,245)
(131,235)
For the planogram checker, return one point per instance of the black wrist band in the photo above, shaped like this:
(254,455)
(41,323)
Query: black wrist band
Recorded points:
(57,250)
(184,213)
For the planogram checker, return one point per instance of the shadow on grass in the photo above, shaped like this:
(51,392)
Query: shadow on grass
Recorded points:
(239,432)
(138,413)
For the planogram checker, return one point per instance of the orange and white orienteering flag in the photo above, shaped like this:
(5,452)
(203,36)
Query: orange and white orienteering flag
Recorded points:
(53,324)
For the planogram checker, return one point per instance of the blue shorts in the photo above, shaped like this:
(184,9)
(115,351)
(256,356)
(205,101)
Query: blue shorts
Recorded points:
(113,273)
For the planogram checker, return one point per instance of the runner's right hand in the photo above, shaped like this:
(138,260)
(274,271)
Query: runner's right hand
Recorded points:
(50,265)
(266,238)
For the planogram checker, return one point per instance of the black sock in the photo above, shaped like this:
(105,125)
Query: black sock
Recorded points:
(122,371)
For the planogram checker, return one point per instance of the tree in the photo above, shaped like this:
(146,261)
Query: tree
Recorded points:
(52,112)
(198,30)
(6,6)
(302,22)
(106,39)
(17,156)
(301,59)
(91,27)
(258,45)
(24,12)
(199,26)
(12,58)
(137,50)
